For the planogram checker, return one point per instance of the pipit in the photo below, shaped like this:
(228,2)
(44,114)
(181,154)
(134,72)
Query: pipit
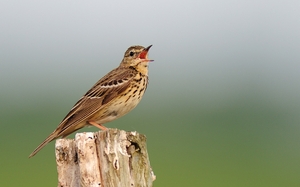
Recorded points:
(113,96)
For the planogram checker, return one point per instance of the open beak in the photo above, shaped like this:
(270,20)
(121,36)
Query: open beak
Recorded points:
(144,54)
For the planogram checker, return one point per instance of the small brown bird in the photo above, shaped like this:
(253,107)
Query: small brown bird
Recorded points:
(113,96)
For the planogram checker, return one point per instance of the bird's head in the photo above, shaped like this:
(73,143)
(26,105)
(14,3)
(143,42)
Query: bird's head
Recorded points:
(137,57)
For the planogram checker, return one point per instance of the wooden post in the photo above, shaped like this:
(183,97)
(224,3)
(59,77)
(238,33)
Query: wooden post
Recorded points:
(112,158)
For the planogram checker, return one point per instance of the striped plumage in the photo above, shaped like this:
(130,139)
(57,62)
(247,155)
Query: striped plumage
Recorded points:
(113,96)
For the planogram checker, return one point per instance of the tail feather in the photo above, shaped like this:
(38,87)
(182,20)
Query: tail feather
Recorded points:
(51,137)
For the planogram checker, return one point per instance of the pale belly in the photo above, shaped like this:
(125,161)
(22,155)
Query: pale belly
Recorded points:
(124,104)
(117,110)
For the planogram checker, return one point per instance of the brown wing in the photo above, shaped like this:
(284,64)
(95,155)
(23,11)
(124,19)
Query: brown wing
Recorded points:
(95,99)
(114,83)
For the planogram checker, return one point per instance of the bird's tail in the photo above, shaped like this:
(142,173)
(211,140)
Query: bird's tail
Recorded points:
(51,137)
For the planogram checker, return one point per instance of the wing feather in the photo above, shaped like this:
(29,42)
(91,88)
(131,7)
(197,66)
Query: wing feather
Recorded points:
(95,99)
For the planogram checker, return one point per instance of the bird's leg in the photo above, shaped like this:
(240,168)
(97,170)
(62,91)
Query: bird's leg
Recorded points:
(98,125)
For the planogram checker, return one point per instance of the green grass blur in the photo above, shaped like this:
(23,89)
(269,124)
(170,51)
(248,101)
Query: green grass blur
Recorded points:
(244,140)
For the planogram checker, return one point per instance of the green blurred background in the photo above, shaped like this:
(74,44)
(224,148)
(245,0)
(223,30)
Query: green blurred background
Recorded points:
(222,107)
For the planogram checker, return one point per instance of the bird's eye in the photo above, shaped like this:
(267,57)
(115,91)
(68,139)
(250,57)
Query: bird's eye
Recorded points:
(131,53)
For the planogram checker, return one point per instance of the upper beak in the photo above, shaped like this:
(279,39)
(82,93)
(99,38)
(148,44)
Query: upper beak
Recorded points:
(144,54)
(147,48)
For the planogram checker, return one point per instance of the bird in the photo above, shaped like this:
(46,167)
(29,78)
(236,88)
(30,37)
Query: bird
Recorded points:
(113,96)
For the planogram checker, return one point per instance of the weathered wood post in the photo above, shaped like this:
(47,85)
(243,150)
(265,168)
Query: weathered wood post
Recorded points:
(112,158)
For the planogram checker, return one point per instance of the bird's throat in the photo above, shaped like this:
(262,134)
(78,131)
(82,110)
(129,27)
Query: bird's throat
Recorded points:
(143,68)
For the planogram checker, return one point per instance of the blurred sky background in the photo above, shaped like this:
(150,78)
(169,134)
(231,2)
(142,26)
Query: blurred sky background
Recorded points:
(222,107)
